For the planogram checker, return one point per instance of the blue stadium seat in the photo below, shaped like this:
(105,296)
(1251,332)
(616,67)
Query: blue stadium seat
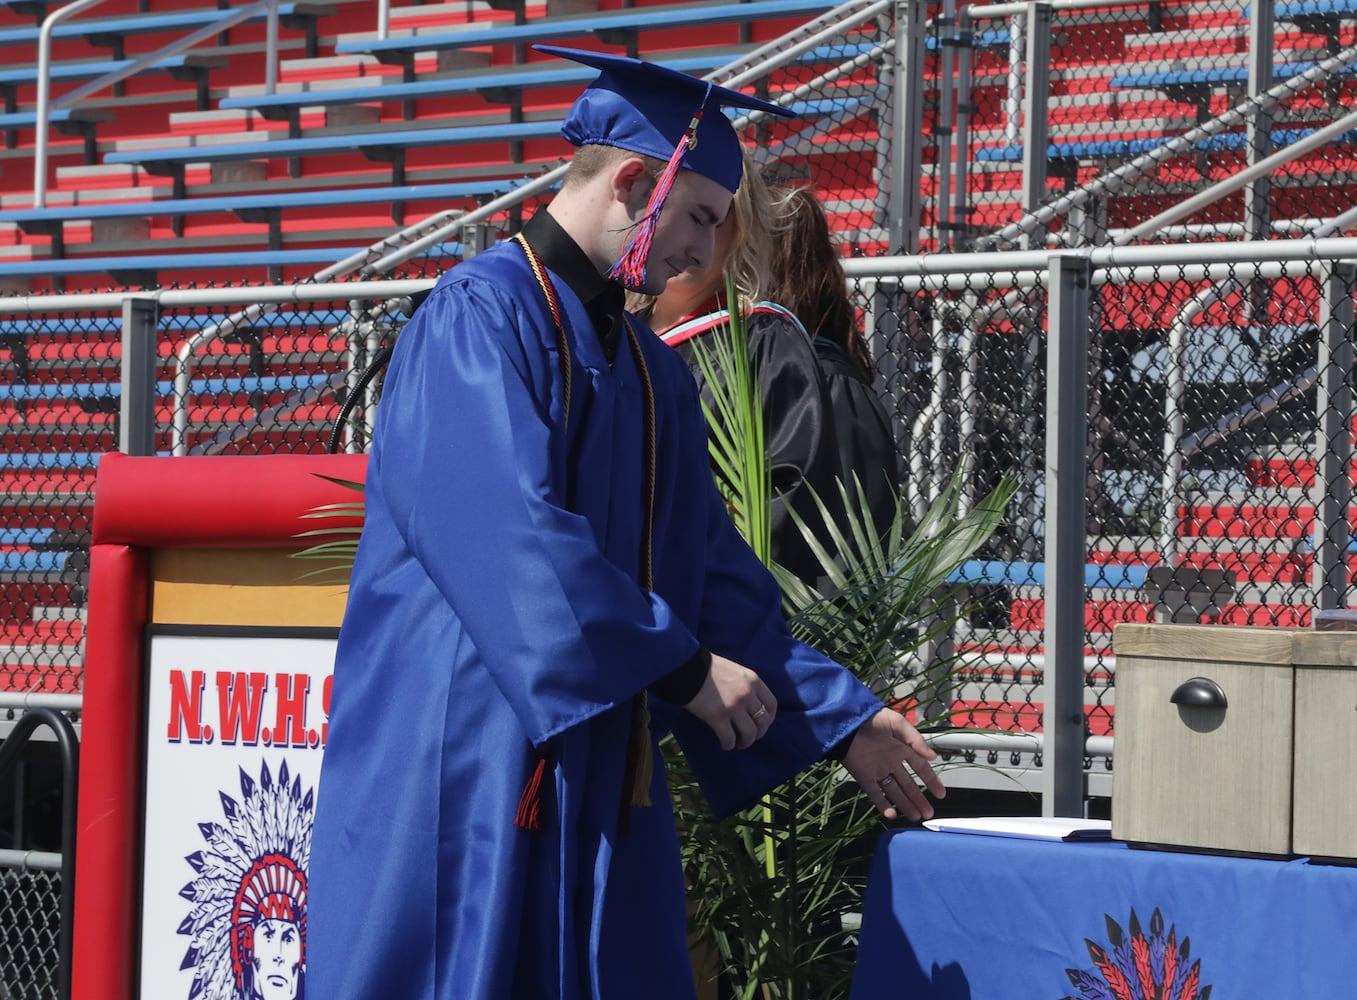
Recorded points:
(26,564)
(1087,149)
(382,146)
(49,460)
(25,536)
(1199,78)
(1115,576)
(502,86)
(214,386)
(88,69)
(72,121)
(253,208)
(93,326)
(610,26)
(185,66)
(1333,9)
(139,269)
(978,40)
(109,32)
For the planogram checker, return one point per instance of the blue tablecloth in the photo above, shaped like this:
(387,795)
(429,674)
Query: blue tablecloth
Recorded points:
(952,916)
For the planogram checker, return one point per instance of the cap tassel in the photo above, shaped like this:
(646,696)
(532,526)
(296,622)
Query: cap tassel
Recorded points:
(529,816)
(630,268)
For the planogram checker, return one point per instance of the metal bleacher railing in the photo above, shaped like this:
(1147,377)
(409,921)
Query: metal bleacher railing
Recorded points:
(171,56)
(28,876)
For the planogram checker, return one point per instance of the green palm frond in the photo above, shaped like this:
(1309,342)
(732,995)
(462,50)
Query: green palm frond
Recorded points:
(735,425)
(341,546)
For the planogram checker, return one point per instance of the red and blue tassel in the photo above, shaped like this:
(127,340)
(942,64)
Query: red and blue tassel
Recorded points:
(630,268)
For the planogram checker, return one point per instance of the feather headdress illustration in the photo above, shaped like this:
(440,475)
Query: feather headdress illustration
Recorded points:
(1140,966)
(248,895)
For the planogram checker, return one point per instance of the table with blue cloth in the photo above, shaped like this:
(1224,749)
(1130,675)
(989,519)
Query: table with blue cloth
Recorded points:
(953,916)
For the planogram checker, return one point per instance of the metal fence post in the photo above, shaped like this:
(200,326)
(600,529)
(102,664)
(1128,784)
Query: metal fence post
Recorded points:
(1062,771)
(1333,444)
(1035,127)
(136,408)
(1257,214)
(906,154)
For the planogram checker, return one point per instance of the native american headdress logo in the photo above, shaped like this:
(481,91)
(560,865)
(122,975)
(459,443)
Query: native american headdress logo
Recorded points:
(1140,967)
(247,918)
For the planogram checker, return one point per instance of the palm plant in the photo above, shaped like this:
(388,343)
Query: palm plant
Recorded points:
(340,542)
(771,886)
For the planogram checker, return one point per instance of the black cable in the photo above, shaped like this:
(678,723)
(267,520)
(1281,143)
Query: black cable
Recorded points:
(408,305)
(369,373)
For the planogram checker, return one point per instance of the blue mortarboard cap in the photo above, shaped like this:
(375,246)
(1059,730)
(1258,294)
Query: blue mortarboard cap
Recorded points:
(646,108)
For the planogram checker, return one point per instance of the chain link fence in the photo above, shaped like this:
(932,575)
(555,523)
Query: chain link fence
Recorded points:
(1217,421)
(1217,402)
(29,927)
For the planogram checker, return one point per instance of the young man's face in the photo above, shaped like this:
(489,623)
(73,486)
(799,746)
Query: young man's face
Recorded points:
(686,234)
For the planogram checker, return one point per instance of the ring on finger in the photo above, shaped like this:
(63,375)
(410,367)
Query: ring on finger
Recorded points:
(886,781)
(762,711)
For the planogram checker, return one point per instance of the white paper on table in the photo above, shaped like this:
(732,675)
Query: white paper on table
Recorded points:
(1027,827)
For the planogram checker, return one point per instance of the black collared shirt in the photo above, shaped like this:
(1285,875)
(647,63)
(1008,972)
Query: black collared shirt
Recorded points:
(603,299)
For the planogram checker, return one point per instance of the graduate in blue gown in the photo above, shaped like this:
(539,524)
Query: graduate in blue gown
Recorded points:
(548,582)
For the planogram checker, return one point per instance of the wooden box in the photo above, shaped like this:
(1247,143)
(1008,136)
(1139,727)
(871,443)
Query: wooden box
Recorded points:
(1324,805)
(1203,740)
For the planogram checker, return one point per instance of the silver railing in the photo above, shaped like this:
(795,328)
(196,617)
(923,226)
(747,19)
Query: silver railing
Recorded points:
(46,104)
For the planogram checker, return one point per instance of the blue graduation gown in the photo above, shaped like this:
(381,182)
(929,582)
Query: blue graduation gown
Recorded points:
(495,607)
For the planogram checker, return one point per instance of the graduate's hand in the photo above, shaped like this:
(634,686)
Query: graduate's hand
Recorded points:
(734,703)
(885,757)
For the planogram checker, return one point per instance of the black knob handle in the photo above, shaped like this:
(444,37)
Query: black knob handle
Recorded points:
(1199,692)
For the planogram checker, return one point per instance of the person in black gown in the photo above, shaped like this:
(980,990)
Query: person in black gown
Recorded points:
(806,277)
(798,420)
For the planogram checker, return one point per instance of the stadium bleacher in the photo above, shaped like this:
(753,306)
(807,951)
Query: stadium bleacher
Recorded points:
(504,87)
(213,179)
(112,32)
(615,27)
(268,208)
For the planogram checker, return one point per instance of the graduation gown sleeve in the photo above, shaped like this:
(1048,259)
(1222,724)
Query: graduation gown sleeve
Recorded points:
(738,615)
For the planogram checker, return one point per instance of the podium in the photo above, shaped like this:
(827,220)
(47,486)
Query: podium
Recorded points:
(207,664)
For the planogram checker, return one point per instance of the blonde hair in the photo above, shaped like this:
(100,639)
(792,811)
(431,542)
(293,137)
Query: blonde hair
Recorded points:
(751,209)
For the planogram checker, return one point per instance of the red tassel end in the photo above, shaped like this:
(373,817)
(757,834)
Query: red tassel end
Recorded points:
(630,268)
(529,816)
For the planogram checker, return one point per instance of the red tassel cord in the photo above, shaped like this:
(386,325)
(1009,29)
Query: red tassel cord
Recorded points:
(529,815)
(630,268)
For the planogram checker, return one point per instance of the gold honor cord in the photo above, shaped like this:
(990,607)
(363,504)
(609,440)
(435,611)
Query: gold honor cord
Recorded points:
(640,757)
(639,766)
(554,304)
